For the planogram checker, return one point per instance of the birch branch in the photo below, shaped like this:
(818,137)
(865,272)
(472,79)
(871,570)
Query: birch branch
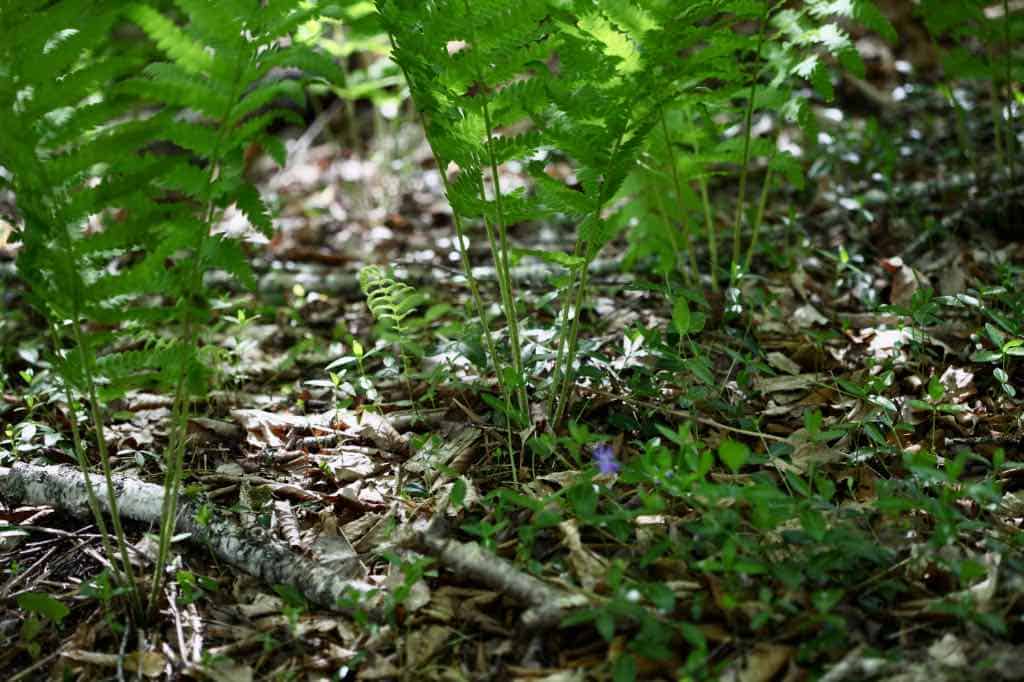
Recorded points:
(250,549)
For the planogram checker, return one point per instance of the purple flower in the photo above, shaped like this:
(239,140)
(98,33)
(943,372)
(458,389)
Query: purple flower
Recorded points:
(604,457)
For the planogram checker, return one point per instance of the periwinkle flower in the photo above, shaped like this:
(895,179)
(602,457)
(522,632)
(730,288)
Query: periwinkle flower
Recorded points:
(604,457)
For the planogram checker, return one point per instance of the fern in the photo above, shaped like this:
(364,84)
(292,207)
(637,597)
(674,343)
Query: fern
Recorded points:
(84,119)
(389,300)
(595,108)
(391,303)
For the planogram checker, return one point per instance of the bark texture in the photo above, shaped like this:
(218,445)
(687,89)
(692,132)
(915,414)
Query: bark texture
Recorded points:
(251,549)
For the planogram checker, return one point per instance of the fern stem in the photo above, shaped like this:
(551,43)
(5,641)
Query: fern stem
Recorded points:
(1011,132)
(505,278)
(670,231)
(678,186)
(83,465)
(758,219)
(180,410)
(566,370)
(709,222)
(108,477)
(568,374)
(474,290)
(460,234)
(501,257)
(748,116)
(87,358)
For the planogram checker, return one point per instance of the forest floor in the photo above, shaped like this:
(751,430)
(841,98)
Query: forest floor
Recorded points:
(820,478)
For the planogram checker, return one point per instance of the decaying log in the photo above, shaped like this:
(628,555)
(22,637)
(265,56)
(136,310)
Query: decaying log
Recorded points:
(249,549)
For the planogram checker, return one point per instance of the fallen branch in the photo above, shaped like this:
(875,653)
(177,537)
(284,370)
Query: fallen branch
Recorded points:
(253,551)
(249,549)
(548,605)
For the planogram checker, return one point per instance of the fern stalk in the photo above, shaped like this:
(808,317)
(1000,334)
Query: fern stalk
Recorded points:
(181,409)
(90,489)
(501,256)
(467,266)
(101,444)
(709,221)
(1011,133)
(758,219)
(741,199)
(566,371)
(678,186)
(676,252)
(88,358)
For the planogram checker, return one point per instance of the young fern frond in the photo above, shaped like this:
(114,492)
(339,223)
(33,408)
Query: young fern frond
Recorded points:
(391,302)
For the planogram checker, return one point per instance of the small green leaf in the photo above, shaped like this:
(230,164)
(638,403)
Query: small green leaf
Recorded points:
(883,402)
(566,260)
(733,454)
(625,668)
(605,624)
(43,605)
(681,315)
(935,389)
(1014,347)
(812,421)
(813,523)
(458,495)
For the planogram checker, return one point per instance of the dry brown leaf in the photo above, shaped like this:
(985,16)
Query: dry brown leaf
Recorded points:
(786,384)
(225,670)
(588,566)
(147,663)
(782,363)
(762,665)
(423,644)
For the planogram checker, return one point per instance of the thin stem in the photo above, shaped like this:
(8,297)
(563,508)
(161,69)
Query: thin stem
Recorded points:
(741,199)
(467,268)
(671,232)
(108,477)
(565,371)
(87,357)
(505,279)
(1011,137)
(709,222)
(501,255)
(758,219)
(568,375)
(678,186)
(83,463)
(190,334)
(556,374)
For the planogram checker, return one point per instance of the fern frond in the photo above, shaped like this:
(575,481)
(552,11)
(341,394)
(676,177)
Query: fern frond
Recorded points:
(389,300)
(190,55)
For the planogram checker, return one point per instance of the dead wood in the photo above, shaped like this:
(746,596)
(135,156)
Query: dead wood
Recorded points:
(249,549)
(548,605)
